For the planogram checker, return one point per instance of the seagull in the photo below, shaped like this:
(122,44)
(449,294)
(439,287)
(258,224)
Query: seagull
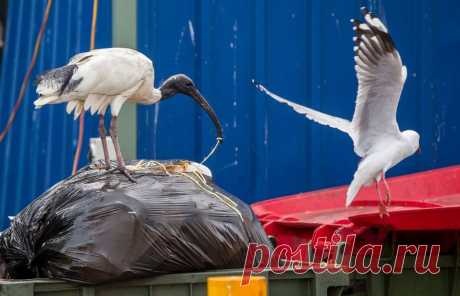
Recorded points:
(374,129)
(100,78)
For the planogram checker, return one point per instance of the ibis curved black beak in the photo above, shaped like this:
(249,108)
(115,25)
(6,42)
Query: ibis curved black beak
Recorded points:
(196,95)
(180,83)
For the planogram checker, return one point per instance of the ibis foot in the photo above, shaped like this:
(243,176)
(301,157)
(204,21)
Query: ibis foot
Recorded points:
(103,165)
(124,171)
(107,165)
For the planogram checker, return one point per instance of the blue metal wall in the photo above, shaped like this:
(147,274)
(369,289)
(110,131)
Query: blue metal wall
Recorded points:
(302,50)
(39,149)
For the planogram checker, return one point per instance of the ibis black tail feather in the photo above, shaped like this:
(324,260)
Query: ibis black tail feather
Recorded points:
(57,81)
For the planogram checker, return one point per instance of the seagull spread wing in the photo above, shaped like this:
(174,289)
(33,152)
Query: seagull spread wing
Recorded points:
(319,117)
(381,77)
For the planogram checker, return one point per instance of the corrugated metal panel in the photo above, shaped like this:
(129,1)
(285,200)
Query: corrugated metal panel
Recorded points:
(303,50)
(39,149)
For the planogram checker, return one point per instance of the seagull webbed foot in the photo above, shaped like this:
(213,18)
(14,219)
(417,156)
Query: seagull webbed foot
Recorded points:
(383,211)
(387,199)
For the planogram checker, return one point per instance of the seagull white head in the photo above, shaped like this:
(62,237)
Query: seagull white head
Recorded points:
(413,138)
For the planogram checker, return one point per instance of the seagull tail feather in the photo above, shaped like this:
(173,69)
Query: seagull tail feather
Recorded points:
(360,179)
(352,191)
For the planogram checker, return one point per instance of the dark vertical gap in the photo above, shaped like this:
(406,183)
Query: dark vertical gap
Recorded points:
(311,97)
(308,44)
(155,50)
(3,21)
(267,29)
(252,117)
(435,105)
(22,120)
(416,13)
(320,81)
(212,41)
(67,125)
(139,144)
(35,183)
(198,73)
(259,107)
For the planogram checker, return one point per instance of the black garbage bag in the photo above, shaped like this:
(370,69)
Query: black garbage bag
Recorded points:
(97,227)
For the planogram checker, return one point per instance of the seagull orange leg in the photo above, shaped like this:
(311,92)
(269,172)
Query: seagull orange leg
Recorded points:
(382,209)
(388,193)
(116,145)
(384,203)
(103,135)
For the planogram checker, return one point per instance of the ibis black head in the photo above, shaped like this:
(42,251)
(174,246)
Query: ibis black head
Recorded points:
(175,84)
(182,84)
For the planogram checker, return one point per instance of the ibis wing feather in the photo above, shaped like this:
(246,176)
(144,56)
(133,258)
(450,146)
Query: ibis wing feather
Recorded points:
(97,104)
(57,81)
(103,107)
(93,75)
(78,110)
(100,76)
(71,105)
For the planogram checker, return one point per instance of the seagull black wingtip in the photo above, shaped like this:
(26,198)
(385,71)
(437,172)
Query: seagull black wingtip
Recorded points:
(364,10)
(355,22)
(255,82)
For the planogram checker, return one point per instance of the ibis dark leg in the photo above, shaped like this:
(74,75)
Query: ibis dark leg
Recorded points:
(116,145)
(103,135)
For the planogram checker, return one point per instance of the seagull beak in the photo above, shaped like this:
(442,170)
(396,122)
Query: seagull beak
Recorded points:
(196,95)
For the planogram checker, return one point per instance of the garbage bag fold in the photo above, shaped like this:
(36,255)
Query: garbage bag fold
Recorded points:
(98,227)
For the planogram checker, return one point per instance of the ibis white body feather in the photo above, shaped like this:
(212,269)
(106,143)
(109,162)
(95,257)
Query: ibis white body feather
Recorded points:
(102,78)
(98,79)
(374,130)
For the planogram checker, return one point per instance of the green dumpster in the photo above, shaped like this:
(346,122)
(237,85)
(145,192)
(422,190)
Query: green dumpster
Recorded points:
(185,284)
(446,282)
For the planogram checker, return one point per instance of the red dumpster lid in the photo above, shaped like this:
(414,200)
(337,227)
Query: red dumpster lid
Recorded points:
(423,201)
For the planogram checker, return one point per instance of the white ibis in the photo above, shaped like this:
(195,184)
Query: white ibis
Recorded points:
(374,129)
(101,78)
